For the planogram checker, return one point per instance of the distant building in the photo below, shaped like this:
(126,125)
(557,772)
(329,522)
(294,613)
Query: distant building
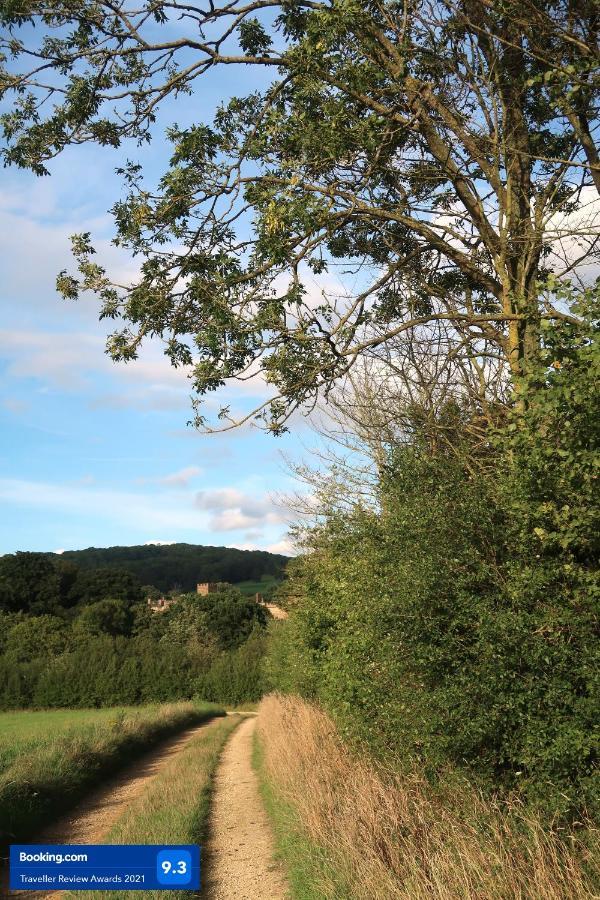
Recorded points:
(207,587)
(276,611)
(162,604)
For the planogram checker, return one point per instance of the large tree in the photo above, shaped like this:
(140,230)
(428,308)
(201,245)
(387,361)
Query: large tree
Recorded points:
(441,151)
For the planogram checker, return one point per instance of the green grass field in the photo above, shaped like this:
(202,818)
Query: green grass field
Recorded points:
(23,731)
(249,588)
(48,760)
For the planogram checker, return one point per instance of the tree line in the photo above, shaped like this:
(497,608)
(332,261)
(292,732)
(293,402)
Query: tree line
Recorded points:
(182,566)
(77,637)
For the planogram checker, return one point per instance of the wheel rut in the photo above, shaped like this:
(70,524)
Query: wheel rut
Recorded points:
(91,820)
(239,863)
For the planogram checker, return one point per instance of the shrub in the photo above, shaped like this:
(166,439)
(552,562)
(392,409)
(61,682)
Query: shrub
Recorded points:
(459,623)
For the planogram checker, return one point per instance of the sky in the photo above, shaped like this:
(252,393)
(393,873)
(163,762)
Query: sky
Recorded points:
(98,454)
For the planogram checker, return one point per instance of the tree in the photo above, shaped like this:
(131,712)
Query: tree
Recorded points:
(105,583)
(106,617)
(36,583)
(36,637)
(185,625)
(443,151)
(230,616)
(454,616)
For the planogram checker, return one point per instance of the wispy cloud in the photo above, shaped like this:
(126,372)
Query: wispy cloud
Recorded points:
(141,510)
(181,478)
(221,509)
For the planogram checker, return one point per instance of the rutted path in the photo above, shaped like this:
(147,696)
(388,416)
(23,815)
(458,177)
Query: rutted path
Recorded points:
(239,861)
(91,820)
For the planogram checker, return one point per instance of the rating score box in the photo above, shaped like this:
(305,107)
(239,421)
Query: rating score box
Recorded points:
(103,867)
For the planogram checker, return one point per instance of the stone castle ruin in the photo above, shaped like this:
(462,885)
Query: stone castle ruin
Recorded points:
(204,588)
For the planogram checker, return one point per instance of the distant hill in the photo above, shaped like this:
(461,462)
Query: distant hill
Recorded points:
(181,566)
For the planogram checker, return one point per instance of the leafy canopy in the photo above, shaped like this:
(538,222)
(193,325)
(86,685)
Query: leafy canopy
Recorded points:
(441,151)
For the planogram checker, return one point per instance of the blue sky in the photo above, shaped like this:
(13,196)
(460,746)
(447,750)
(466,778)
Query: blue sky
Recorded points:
(93,454)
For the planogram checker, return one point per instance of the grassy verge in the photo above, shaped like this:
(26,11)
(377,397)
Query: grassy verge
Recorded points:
(348,830)
(174,809)
(305,863)
(55,769)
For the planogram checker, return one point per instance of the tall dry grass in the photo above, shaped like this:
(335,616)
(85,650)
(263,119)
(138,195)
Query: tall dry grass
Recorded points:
(380,835)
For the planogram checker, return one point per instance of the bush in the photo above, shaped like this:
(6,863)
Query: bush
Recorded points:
(237,676)
(460,622)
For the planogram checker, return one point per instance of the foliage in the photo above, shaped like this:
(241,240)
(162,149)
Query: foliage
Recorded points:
(103,583)
(105,617)
(180,566)
(433,148)
(229,615)
(460,622)
(43,583)
(33,635)
(237,676)
(115,653)
(36,583)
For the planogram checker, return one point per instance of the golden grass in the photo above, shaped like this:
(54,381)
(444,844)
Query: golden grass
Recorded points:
(379,835)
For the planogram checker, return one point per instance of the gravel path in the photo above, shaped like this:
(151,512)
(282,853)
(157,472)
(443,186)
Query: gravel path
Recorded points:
(239,861)
(91,820)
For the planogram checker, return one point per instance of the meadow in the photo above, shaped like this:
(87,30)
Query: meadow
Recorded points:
(25,731)
(264,585)
(48,760)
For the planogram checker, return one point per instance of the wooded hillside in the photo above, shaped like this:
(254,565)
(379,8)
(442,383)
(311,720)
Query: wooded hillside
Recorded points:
(181,566)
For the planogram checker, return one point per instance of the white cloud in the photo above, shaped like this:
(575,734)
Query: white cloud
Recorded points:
(222,509)
(232,509)
(137,510)
(159,543)
(181,478)
(574,239)
(284,546)
(63,360)
(69,360)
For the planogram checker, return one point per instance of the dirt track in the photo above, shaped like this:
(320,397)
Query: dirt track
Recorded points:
(94,816)
(239,861)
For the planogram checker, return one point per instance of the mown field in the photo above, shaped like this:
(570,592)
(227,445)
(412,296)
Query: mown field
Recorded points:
(48,760)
